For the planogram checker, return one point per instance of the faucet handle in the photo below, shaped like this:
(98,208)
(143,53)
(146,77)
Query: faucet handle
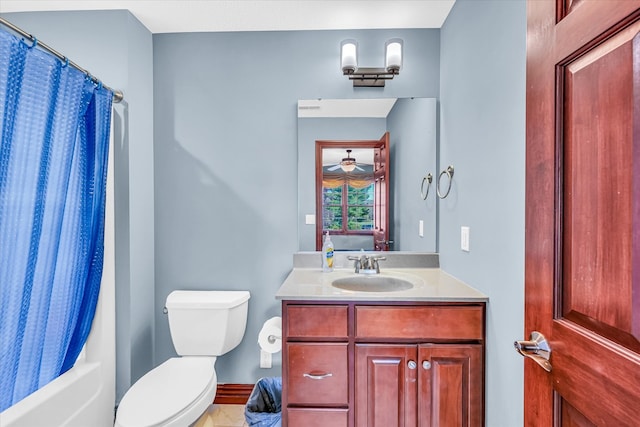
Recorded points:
(357,262)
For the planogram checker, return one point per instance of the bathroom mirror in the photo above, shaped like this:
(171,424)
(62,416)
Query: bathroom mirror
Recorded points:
(411,123)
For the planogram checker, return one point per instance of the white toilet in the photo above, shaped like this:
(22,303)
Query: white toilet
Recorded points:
(203,325)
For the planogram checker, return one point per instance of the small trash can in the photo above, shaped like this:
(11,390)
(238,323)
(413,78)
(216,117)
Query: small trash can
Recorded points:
(264,407)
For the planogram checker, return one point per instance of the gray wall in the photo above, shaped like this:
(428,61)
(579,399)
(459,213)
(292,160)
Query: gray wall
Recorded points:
(412,128)
(117,48)
(225,126)
(482,107)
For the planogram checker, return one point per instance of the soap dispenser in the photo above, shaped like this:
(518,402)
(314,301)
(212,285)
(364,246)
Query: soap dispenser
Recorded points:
(327,254)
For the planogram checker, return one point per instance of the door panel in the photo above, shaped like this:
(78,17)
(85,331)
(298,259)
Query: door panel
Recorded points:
(582,283)
(385,388)
(597,192)
(450,386)
(572,418)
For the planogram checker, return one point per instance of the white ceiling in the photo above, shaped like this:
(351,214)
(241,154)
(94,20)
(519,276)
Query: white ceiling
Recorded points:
(174,16)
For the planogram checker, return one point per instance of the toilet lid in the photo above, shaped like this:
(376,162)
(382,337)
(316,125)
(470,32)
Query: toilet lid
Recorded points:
(166,391)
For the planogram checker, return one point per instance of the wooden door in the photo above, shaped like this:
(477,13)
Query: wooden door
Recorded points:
(381,202)
(450,385)
(381,240)
(582,267)
(386,385)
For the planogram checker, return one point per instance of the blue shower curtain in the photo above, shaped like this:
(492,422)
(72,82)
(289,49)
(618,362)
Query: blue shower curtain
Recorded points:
(54,136)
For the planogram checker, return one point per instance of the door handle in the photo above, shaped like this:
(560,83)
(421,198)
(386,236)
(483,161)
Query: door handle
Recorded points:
(537,348)
(384,242)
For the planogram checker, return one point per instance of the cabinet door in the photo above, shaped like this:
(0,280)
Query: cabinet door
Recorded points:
(451,385)
(386,385)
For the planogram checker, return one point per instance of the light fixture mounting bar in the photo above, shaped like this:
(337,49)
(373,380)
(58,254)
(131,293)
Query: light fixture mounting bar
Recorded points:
(371,77)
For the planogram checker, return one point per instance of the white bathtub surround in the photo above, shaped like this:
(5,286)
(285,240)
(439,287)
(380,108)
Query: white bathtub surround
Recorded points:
(84,395)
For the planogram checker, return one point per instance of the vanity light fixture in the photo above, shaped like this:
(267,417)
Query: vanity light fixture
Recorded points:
(370,77)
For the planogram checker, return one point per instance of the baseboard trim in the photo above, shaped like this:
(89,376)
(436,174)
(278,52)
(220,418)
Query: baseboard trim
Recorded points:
(233,394)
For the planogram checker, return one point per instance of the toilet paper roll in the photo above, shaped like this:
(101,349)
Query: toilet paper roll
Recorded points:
(270,336)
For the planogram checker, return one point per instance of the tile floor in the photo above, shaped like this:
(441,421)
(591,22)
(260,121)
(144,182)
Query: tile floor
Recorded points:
(222,416)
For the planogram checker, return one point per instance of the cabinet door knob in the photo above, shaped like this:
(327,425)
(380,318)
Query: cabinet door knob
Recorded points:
(317,377)
(412,364)
(426,365)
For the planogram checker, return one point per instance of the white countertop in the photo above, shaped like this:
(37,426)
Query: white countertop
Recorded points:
(430,284)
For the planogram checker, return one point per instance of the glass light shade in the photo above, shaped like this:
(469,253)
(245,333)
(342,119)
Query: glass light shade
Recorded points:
(348,55)
(393,54)
(348,166)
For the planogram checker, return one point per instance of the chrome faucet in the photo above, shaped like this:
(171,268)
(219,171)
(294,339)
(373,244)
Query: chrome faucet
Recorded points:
(367,263)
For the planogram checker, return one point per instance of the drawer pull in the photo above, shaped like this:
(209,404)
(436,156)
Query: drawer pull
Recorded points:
(318,377)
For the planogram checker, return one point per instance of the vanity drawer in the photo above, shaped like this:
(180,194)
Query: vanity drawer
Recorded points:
(421,322)
(317,417)
(315,321)
(317,374)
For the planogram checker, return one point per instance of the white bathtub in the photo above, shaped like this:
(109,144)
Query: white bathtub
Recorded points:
(84,396)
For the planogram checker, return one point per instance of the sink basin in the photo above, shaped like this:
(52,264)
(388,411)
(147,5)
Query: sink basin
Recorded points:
(372,284)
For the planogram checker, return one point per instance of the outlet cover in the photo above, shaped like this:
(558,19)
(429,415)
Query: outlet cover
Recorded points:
(464,238)
(265,359)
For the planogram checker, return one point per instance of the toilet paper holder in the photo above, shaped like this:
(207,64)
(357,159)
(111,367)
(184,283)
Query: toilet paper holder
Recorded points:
(272,338)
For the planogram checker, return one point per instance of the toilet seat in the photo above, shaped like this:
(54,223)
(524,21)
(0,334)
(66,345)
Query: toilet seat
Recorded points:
(175,393)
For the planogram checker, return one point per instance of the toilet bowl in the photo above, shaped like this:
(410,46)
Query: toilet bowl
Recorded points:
(203,325)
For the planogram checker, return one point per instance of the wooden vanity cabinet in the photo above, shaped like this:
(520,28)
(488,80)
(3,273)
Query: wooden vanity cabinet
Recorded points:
(315,369)
(393,364)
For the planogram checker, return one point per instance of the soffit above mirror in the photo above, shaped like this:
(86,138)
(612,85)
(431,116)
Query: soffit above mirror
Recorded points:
(336,108)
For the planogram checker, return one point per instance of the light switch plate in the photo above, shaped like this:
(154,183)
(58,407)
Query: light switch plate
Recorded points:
(310,219)
(421,228)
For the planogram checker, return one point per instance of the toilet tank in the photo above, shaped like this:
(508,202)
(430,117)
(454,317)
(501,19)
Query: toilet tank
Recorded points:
(207,323)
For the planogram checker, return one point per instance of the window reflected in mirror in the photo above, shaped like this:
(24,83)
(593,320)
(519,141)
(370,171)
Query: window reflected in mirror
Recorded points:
(347,201)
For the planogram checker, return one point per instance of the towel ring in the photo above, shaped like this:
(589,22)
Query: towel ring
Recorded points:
(429,179)
(449,172)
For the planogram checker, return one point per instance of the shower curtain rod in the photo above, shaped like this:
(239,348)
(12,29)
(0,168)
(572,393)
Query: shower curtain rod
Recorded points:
(117,95)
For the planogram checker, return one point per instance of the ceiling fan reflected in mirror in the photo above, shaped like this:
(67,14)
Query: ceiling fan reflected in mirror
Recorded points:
(347,164)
